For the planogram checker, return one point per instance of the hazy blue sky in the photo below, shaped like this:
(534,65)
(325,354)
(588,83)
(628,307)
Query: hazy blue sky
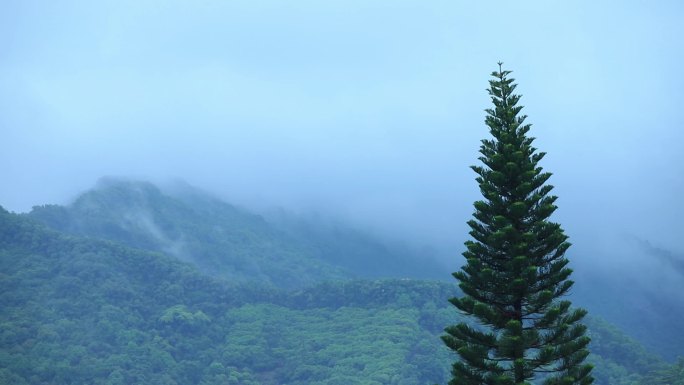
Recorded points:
(372,110)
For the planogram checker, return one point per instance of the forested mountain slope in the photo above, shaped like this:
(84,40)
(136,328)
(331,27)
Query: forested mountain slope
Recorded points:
(288,251)
(226,241)
(78,310)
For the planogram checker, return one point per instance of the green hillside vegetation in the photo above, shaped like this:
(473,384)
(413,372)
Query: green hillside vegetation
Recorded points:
(226,241)
(218,238)
(287,251)
(79,310)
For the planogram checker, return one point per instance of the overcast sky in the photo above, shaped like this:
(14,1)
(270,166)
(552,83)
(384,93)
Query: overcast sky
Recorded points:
(367,110)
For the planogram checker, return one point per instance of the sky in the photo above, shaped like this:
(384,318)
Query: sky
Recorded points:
(370,111)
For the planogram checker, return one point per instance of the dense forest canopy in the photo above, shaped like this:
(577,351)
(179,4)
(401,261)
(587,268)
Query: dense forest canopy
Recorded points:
(80,308)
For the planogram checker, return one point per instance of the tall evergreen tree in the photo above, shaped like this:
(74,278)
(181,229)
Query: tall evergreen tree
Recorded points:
(516,271)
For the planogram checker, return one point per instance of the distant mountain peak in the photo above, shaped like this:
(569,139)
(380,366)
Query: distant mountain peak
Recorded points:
(223,240)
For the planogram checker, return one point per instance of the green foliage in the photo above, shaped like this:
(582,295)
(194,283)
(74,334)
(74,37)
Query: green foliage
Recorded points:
(84,311)
(180,315)
(88,311)
(672,375)
(515,271)
(323,346)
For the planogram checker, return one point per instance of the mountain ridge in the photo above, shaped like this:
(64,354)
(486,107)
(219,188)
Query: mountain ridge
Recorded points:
(227,241)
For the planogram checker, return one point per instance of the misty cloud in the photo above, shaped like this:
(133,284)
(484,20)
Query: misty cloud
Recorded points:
(367,111)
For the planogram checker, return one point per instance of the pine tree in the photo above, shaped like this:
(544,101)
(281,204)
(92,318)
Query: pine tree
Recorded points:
(515,272)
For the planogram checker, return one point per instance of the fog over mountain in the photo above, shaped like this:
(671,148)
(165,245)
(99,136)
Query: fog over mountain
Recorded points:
(366,111)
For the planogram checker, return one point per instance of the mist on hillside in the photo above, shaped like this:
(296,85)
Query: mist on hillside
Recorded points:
(367,113)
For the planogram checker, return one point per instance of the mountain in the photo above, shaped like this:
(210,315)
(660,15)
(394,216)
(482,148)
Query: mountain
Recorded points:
(82,310)
(290,251)
(226,241)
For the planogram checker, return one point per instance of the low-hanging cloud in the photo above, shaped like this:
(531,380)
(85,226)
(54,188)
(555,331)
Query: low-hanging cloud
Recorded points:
(368,111)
